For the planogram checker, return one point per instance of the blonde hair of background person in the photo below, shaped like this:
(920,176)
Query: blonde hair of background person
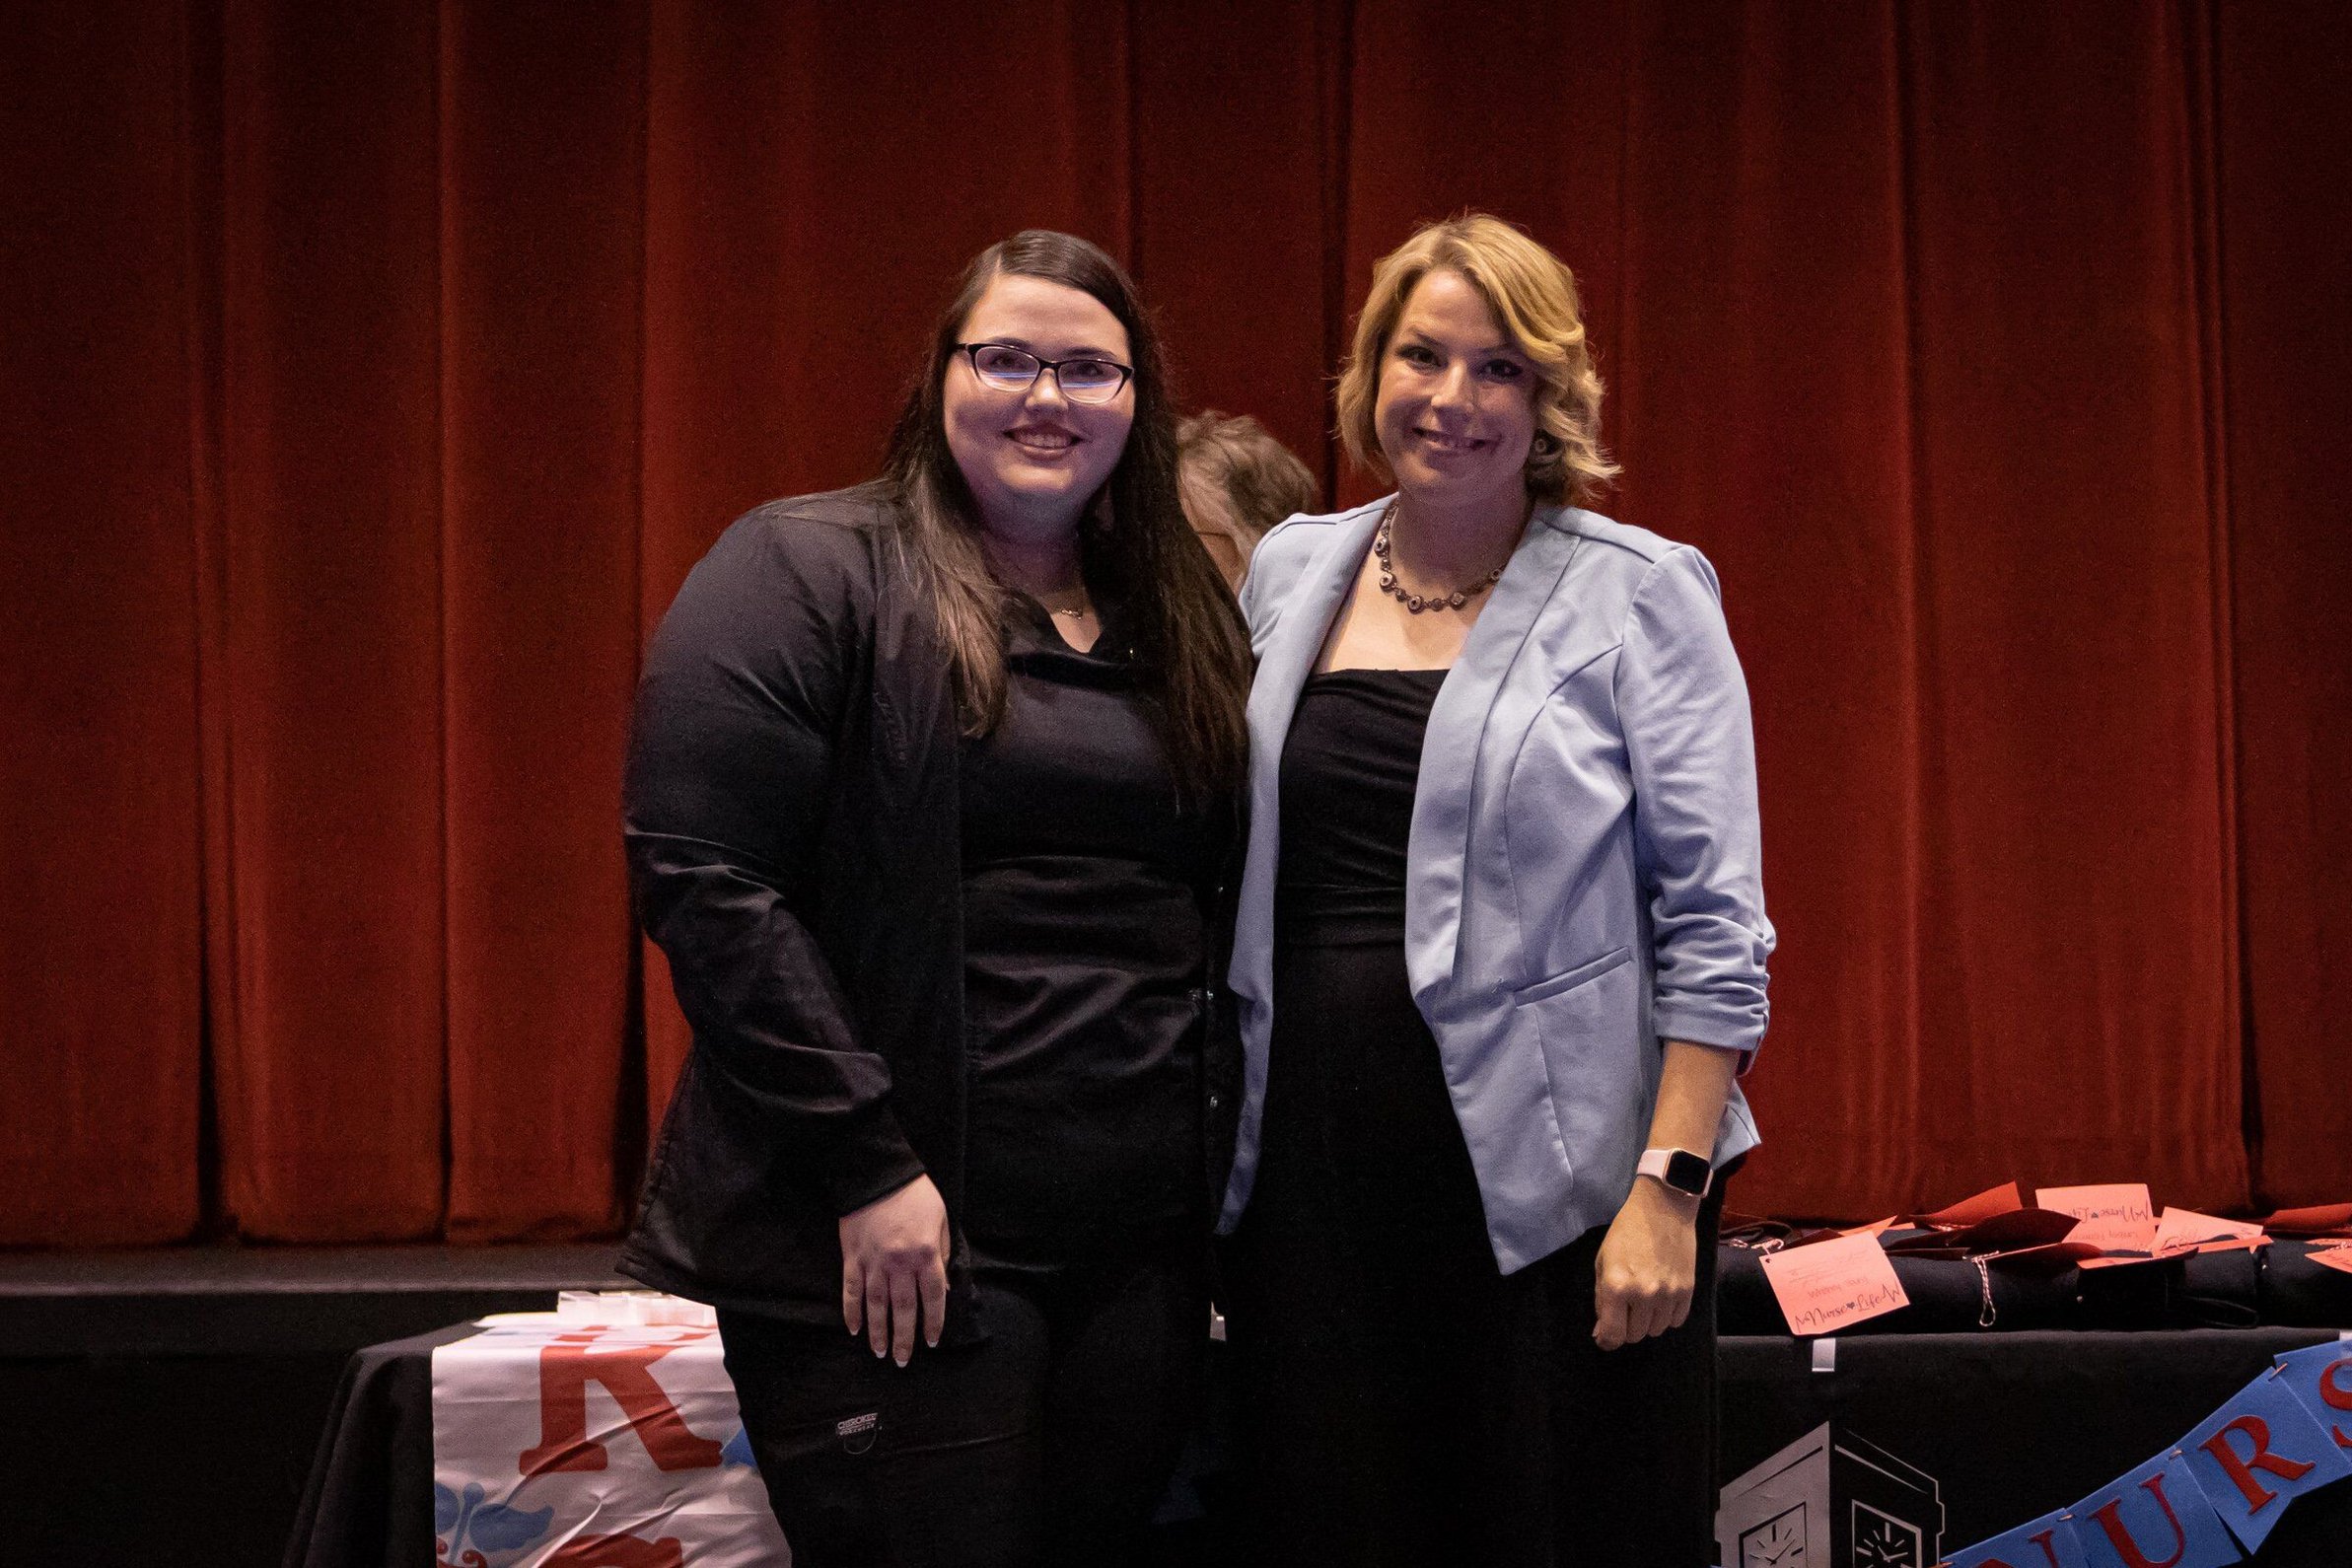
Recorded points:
(1236,481)
(1533,298)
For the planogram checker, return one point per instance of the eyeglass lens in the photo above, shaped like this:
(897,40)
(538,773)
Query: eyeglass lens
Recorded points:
(1086,381)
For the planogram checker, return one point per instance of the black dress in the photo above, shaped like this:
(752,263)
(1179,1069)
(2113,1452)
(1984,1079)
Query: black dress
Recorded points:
(1402,1401)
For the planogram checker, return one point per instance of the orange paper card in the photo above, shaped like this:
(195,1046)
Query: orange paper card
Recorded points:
(2116,1216)
(2310,1222)
(2184,1230)
(2337,1257)
(1983,1206)
(1829,1285)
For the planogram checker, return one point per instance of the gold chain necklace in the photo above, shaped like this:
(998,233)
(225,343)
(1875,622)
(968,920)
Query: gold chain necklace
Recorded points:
(1417,602)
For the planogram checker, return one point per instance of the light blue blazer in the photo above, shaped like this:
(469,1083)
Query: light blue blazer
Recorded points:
(1583,876)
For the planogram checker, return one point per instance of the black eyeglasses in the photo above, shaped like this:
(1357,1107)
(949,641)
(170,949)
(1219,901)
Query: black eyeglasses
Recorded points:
(1010,369)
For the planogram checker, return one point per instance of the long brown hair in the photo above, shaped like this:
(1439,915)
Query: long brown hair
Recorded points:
(1136,548)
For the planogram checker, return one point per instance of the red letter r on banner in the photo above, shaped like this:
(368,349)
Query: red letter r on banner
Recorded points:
(2241,1471)
(566,1369)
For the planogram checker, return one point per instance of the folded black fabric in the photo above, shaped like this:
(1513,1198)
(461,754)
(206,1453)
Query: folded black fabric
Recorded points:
(2222,1289)
(1947,1296)
(2296,1292)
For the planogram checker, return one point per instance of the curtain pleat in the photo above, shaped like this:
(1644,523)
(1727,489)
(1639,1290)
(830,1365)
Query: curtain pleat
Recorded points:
(724,214)
(2285,197)
(1228,185)
(1765,331)
(332,1086)
(100,950)
(390,367)
(2077,1006)
(541,163)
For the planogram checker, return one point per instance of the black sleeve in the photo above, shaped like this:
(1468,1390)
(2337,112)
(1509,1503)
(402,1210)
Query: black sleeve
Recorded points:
(731,756)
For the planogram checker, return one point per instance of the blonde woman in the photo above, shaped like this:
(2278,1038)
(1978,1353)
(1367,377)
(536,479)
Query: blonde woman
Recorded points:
(1500,956)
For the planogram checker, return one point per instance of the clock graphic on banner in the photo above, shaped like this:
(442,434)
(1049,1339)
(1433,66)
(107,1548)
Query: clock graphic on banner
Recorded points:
(1882,1540)
(1830,1500)
(1777,1543)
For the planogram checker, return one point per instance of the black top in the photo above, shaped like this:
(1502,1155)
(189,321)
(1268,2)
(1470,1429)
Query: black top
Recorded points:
(793,822)
(1084,943)
(1349,768)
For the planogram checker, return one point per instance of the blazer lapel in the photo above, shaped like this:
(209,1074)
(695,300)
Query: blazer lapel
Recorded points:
(1451,763)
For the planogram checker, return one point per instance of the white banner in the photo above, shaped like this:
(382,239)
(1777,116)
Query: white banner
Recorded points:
(593,1445)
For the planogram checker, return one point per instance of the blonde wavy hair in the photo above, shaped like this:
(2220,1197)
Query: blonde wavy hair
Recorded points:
(1532,294)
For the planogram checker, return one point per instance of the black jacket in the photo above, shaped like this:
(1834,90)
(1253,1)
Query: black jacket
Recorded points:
(790,814)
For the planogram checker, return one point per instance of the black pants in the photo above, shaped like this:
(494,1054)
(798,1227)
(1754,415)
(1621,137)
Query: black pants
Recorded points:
(1400,1401)
(1048,1442)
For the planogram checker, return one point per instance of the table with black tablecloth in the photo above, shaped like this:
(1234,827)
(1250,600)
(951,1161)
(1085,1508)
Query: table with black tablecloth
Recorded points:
(2002,1427)
(2008,1427)
(369,1500)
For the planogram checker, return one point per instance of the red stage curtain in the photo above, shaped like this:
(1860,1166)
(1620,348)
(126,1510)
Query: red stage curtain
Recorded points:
(2284,159)
(100,811)
(385,369)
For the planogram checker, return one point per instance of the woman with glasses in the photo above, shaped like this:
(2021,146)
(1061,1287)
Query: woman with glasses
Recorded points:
(1500,950)
(930,790)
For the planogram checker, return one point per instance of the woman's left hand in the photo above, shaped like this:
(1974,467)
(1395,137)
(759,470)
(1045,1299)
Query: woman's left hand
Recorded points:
(1642,1280)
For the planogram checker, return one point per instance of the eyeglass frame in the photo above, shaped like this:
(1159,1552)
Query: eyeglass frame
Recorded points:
(972,353)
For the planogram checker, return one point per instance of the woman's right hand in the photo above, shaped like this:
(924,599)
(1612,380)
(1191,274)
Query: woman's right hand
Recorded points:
(894,1258)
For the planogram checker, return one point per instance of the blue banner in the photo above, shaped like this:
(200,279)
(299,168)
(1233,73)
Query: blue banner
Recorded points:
(2045,1542)
(2156,1516)
(2257,1452)
(2322,1378)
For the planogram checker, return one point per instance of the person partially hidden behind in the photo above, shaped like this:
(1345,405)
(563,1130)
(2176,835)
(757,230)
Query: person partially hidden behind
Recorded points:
(930,794)
(1500,950)
(1237,482)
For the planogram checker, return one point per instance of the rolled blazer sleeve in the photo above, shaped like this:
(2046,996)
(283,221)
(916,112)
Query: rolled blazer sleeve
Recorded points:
(1698,843)
(731,753)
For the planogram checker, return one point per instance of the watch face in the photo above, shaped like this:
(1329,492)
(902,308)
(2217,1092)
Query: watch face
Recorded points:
(1884,1541)
(1686,1172)
(1777,1543)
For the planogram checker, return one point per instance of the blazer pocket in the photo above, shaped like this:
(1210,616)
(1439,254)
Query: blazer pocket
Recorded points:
(1570,979)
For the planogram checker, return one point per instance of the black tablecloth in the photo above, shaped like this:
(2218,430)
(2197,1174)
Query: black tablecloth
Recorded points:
(2006,1427)
(2010,1426)
(369,1500)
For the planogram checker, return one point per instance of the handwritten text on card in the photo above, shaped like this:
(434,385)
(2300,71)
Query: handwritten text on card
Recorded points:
(2118,1216)
(1829,1285)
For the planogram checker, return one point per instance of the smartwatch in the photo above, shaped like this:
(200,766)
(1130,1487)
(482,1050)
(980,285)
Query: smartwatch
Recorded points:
(1677,1170)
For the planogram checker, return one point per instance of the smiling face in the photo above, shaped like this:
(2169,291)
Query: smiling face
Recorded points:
(1456,409)
(1034,459)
